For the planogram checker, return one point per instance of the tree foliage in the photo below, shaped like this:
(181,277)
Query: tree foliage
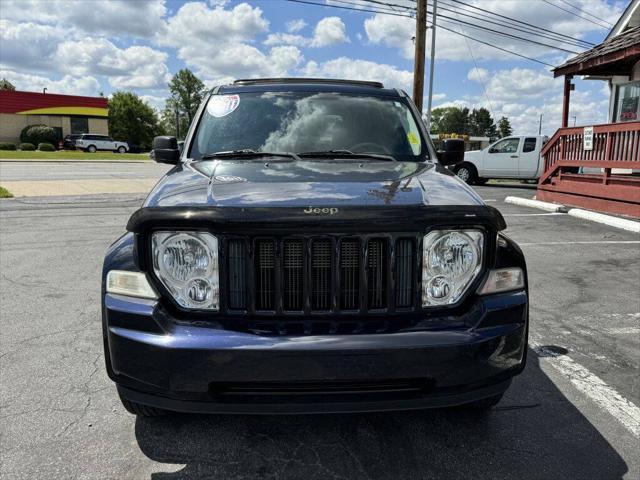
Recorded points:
(504,127)
(187,91)
(477,122)
(6,85)
(132,120)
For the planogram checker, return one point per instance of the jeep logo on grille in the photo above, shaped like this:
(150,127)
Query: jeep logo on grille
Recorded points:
(321,211)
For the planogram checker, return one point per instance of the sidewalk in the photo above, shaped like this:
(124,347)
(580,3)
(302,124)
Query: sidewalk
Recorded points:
(37,188)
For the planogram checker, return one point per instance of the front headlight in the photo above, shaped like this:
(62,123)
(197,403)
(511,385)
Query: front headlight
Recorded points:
(187,265)
(451,259)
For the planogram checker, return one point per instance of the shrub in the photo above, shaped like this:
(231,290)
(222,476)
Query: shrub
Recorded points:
(36,134)
(7,146)
(27,146)
(46,147)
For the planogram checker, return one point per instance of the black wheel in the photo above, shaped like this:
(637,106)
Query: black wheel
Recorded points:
(92,149)
(467,173)
(481,181)
(121,149)
(484,404)
(141,410)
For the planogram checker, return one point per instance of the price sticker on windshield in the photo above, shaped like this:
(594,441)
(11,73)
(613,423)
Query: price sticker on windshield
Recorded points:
(222,105)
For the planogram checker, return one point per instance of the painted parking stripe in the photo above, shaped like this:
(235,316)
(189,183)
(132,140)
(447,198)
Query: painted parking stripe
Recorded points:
(531,214)
(595,242)
(607,398)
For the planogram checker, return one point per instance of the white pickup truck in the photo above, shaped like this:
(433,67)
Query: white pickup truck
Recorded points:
(516,157)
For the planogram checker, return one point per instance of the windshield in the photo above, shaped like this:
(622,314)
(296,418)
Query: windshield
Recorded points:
(304,122)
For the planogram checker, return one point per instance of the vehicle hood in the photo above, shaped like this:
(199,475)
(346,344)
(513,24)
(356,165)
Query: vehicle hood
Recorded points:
(312,183)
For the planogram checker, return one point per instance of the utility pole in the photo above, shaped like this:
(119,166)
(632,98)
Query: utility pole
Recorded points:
(433,61)
(418,63)
(540,126)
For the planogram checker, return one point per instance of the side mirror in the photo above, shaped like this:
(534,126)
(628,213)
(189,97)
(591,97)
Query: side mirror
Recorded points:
(452,151)
(165,150)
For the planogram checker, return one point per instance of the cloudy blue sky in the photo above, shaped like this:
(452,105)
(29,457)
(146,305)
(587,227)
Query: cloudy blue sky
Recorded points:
(91,46)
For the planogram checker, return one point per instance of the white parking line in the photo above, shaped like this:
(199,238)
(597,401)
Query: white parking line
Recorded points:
(530,214)
(626,412)
(595,242)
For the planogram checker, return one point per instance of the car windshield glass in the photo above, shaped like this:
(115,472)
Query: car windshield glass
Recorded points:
(304,122)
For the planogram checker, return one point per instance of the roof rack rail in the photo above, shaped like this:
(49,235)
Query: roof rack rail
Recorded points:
(254,81)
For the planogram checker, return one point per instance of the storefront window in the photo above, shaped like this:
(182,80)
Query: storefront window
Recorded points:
(79,125)
(627,108)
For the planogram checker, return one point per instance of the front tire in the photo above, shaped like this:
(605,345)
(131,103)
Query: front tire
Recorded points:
(121,149)
(91,149)
(141,410)
(467,173)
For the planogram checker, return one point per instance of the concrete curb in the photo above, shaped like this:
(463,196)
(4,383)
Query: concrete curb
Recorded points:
(617,222)
(528,202)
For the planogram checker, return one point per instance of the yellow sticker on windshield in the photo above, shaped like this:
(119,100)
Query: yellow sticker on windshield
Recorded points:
(413,139)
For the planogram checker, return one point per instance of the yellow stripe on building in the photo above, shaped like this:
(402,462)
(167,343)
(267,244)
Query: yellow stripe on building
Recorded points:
(87,111)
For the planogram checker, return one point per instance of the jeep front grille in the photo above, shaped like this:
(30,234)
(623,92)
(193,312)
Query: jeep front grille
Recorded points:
(320,274)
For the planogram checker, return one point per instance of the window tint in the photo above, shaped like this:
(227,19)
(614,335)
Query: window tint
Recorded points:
(508,145)
(306,122)
(529,145)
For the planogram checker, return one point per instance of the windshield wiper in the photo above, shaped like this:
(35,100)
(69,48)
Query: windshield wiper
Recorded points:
(346,154)
(247,153)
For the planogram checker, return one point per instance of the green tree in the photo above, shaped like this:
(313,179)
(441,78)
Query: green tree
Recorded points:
(172,121)
(187,92)
(6,85)
(481,123)
(504,127)
(449,120)
(132,120)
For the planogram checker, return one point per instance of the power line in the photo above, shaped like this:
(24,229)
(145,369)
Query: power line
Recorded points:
(574,14)
(474,15)
(586,13)
(526,29)
(508,18)
(308,2)
(496,47)
(497,32)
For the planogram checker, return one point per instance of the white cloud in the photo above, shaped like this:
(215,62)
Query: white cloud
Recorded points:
(478,74)
(141,18)
(86,85)
(294,26)
(523,95)
(397,32)
(28,45)
(353,69)
(133,67)
(329,31)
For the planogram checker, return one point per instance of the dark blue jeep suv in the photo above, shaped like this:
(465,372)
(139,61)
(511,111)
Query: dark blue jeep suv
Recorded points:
(309,252)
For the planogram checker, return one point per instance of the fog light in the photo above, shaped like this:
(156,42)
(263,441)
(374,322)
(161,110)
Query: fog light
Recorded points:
(439,288)
(199,290)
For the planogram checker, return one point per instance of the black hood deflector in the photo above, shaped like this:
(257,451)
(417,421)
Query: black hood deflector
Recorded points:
(292,220)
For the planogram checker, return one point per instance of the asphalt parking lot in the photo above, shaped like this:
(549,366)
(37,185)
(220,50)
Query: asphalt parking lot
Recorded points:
(570,415)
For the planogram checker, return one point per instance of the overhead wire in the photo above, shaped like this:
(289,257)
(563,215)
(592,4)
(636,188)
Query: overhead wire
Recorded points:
(575,14)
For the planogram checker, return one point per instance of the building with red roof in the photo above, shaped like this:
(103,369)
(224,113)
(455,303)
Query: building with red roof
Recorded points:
(66,113)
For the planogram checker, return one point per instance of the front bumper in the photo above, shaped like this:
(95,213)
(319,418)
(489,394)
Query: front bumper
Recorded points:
(159,361)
